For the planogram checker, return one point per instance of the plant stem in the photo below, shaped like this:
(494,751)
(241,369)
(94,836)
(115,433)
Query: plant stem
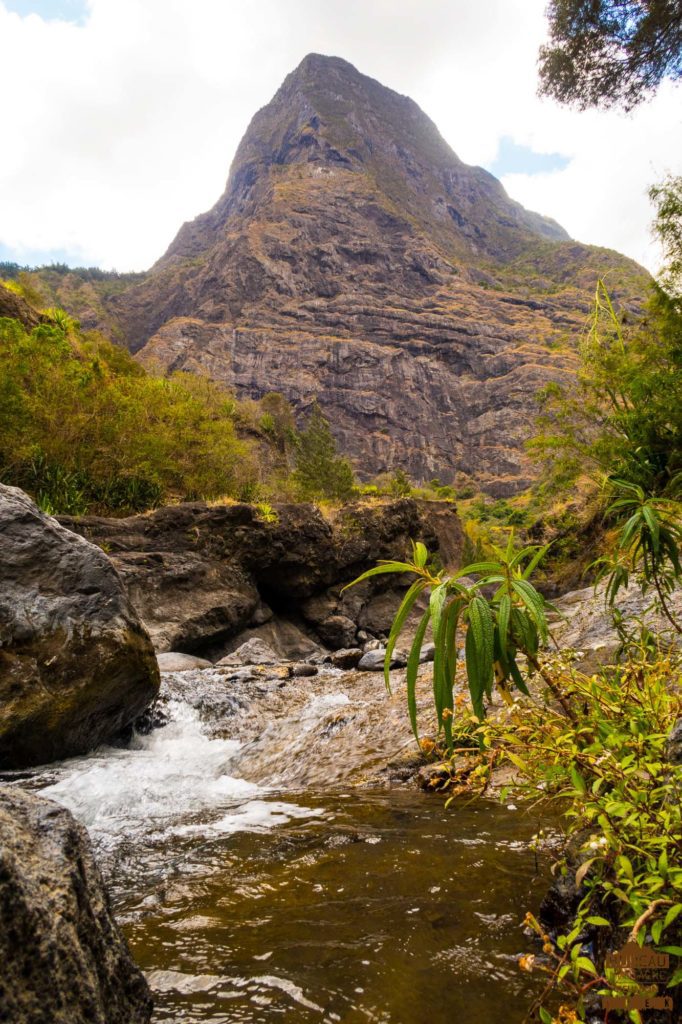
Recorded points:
(664,606)
(567,709)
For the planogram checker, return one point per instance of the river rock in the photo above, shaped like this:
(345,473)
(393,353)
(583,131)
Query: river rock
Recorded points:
(174,661)
(337,631)
(372,645)
(286,638)
(304,668)
(427,653)
(373,661)
(347,657)
(253,652)
(64,960)
(76,664)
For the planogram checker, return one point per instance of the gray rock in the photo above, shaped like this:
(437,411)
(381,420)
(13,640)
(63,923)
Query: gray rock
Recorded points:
(373,661)
(64,960)
(427,653)
(585,625)
(347,657)
(261,615)
(337,631)
(304,668)
(174,661)
(253,652)
(284,637)
(372,645)
(320,607)
(76,664)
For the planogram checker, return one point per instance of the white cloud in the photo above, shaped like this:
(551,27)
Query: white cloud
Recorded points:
(124,126)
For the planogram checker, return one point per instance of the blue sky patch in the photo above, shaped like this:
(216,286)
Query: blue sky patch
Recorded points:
(39,257)
(513,158)
(75,11)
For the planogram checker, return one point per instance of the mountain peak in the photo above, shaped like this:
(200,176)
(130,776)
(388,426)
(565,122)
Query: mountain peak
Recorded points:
(327,117)
(355,257)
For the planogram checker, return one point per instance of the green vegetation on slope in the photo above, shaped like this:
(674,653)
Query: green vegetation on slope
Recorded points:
(84,427)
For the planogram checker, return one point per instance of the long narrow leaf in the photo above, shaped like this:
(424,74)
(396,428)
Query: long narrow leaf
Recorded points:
(503,616)
(476,683)
(413,669)
(534,603)
(477,567)
(437,600)
(535,561)
(481,624)
(519,681)
(398,623)
(378,569)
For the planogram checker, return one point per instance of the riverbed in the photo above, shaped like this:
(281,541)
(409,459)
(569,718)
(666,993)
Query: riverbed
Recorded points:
(258,877)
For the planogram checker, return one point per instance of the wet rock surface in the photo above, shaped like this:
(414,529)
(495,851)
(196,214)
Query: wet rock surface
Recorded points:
(373,661)
(76,664)
(347,657)
(64,960)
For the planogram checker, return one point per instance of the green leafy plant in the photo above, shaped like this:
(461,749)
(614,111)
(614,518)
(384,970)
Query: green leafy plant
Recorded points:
(495,630)
(266,513)
(609,772)
(623,416)
(320,472)
(648,544)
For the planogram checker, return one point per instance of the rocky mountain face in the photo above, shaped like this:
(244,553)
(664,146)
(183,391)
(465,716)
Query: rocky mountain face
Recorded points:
(354,258)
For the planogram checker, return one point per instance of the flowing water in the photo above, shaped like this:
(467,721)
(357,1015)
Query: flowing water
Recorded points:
(257,881)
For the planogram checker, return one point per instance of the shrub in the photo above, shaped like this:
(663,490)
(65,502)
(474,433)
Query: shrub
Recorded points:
(83,426)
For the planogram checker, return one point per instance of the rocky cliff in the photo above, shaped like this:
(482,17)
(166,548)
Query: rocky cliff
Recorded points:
(205,578)
(355,258)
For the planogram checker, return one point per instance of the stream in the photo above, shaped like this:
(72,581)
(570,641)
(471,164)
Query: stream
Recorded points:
(258,876)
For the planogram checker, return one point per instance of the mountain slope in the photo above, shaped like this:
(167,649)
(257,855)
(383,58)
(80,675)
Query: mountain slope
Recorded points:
(355,258)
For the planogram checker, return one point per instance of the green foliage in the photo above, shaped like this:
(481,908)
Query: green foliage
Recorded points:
(497,628)
(266,513)
(607,767)
(610,52)
(668,230)
(82,426)
(278,421)
(320,472)
(623,418)
(648,544)
(400,485)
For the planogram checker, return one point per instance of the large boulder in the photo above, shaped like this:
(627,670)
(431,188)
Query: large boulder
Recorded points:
(76,664)
(584,622)
(64,960)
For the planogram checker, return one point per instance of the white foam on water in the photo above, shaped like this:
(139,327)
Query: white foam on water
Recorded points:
(163,779)
(318,707)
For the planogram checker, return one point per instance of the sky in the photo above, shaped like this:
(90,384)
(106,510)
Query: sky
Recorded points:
(121,117)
